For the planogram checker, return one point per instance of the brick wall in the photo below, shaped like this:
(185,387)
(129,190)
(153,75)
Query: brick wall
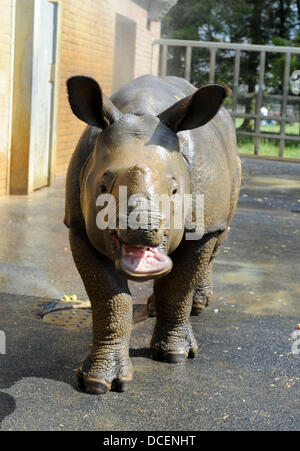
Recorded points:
(5,84)
(88,39)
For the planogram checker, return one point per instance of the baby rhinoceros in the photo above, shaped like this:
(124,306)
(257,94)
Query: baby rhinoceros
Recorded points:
(154,137)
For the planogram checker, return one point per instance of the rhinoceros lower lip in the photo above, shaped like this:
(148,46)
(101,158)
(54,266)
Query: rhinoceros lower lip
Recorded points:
(142,262)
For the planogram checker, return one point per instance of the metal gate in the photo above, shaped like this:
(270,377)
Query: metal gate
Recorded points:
(259,94)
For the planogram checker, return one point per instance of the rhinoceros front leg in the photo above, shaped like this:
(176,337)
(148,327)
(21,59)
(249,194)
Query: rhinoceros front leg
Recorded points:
(173,340)
(108,363)
(202,296)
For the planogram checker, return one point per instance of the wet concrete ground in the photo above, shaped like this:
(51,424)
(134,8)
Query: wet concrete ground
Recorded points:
(247,375)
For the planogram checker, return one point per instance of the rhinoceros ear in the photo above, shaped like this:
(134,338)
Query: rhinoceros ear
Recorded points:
(195,110)
(89,104)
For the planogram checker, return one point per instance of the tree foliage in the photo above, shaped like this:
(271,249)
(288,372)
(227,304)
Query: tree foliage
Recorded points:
(245,21)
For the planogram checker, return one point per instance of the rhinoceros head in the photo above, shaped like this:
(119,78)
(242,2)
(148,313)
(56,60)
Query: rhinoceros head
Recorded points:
(136,159)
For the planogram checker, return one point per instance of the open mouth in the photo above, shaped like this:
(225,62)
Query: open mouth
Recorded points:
(142,262)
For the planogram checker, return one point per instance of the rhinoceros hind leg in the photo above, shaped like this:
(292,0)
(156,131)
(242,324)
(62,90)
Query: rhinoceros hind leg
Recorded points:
(151,309)
(204,290)
(202,297)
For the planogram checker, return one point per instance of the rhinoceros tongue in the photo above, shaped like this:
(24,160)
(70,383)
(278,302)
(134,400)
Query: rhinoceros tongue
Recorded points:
(144,260)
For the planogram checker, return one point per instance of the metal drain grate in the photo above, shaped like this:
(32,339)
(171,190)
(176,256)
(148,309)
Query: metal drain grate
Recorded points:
(70,318)
(78,314)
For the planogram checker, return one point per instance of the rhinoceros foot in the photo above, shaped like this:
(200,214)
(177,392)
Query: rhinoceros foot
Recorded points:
(173,344)
(99,374)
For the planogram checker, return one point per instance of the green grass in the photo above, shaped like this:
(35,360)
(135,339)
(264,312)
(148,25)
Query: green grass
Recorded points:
(270,147)
(290,129)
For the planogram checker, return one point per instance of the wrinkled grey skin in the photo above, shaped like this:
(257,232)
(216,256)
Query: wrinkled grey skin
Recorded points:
(153,136)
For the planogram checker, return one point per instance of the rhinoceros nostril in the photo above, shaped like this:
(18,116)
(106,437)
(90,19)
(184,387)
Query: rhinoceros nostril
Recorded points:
(141,237)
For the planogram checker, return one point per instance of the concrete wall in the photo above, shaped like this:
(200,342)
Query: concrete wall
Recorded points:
(5,90)
(88,40)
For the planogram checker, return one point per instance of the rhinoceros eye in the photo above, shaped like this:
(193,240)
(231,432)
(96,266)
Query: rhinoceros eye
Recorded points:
(173,186)
(102,189)
(106,183)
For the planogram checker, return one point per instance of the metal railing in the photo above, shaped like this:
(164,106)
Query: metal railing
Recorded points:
(213,47)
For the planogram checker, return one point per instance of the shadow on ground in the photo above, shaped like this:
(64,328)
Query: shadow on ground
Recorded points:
(7,405)
(37,349)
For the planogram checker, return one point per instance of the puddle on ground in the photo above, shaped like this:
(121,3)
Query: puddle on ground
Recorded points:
(256,288)
(239,276)
(239,272)
(267,302)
